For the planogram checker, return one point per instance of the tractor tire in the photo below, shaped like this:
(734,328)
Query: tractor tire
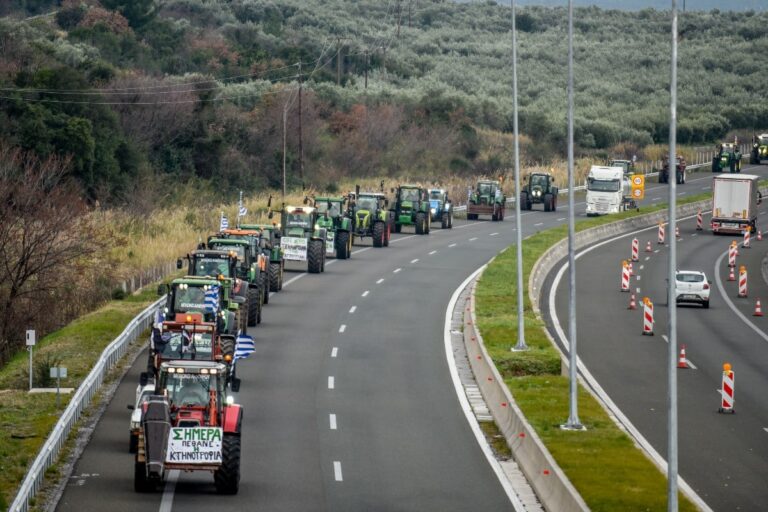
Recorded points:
(444,220)
(450,221)
(253,306)
(282,276)
(554,202)
(274,277)
(547,202)
(342,245)
(228,346)
(398,227)
(421,224)
(140,481)
(471,216)
(427,223)
(315,257)
(378,234)
(754,157)
(387,235)
(322,265)
(524,203)
(227,477)
(264,286)
(494,216)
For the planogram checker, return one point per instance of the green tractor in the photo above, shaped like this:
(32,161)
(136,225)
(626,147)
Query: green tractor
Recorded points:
(539,187)
(487,199)
(440,208)
(209,297)
(411,208)
(302,239)
(371,217)
(331,215)
(759,149)
(727,156)
(627,165)
(270,248)
(251,265)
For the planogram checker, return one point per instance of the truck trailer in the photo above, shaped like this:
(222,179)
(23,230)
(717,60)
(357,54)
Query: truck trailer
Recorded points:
(734,203)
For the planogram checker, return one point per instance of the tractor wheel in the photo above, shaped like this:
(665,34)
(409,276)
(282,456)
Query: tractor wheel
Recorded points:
(228,346)
(421,224)
(140,481)
(133,444)
(274,277)
(253,306)
(754,157)
(264,286)
(315,257)
(444,220)
(387,235)
(282,276)
(715,164)
(554,202)
(524,203)
(427,223)
(398,228)
(227,477)
(547,202)
(322,265)
(378,234)
(342,245)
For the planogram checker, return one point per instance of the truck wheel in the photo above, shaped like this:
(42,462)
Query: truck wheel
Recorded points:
(140,481)
(227,477)
(421,223)
(342,245)
(274,277)
(378,234)
(315,257)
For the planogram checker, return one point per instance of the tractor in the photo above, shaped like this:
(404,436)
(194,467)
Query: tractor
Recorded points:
(487,199)
(759,149)
(209,297)
(679,171)
(302,239)
(189,424)
(440,208)
(539,188)
(411,208)
(331,215)
(270,248)
(371,217)
(222,265)
(627,165)
(727,156)
(257,254)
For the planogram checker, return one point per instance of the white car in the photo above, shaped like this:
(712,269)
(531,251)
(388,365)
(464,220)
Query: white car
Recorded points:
(692,286)
(142,395)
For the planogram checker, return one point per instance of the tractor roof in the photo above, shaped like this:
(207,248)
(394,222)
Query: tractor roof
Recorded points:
(212,253)
(411,186)
(258,226)
(196,280)
(193,366)
(331,199)
(493,182)
(299,209)
(371,194)
(242,231)
(228,241)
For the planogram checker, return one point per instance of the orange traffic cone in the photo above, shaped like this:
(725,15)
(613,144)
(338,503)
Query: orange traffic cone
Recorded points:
(632,303)
(758,309)
(648,247)
(731,275)
(682,362)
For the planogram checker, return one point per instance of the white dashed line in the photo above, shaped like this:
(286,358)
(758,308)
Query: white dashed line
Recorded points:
(452,245)
(331,382)
(561,219)
(380,281)
(431,253)
(656,199)
(647,258)
(337,471)
(343,328)
(641,267)
(493,234)
(365,293)
(538,224)
(637,290)
(473,239)
(334,351)
(415,260)
(396,270)
(332,419)
(352,309)
(656,251)
(765,428)
(637,278)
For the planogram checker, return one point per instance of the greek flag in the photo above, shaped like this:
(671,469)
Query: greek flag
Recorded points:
(223,223)
(244,346)
(242,212)
(212,299)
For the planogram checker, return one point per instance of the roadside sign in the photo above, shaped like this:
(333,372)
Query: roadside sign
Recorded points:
(58,372)
(294,248)
(31,338)
(638,181)
(638,194)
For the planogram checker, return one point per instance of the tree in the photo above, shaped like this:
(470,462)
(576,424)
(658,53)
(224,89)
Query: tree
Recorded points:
(137,12)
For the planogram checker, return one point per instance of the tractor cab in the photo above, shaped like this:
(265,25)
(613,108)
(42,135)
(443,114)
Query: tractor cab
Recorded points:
(627,165)
(196,390)
(728,156)
(210,263)
(298,220)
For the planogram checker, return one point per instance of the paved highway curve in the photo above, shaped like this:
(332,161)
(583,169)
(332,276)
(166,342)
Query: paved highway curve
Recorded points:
(372,329)
(723,457)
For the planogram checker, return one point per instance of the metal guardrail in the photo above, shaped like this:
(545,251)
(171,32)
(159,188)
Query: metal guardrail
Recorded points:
(49,452)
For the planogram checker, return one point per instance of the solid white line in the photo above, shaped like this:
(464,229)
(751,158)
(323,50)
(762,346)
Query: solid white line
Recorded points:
(331,382)
(493,234)
(334,351)
(656,199)
(414,260)
(473,239)
(332,419)
(352,309)
(170,487)
(730,303)
(396,270)
(337,471)
(452,245)
(637,290)
(431,253)
(365,293)
(380,281)
(464,402)
(343,328)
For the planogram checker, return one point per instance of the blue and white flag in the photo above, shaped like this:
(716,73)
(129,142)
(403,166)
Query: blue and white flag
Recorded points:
(212,299)
(242,212)
(223,222)
(244,346)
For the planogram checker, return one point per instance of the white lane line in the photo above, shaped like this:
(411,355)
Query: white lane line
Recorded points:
(647,258)
(380,281)
(343,328)
(337,471)
(358,251)
(365,293)
(493,234)
(473,239)
(331,382)
(694,234)
(637,278)
(401,239)
(538,224)
(170,487)
(765,428)
(706,188)
(415,260)
(656,199)
(762,213)
(561,219)
(431,253)
(334,351)
(656,251)
(352,309)
(396,270)
(452,245)
(730,302)
(642,267)
(637,290)
(332,420)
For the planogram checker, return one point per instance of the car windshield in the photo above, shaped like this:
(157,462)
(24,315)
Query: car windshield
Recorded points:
(211,267)
(366,203)
(485,189)
(237,249)
(603,185)
(333,211)
(685,277)
(409,194)
(538,180)
(186,345)
(301,220)
(188,388)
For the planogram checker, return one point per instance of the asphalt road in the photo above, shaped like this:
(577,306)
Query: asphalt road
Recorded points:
(723,457)
(401,441)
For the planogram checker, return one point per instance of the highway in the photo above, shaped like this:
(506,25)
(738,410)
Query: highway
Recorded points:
(723,457)
(348,401)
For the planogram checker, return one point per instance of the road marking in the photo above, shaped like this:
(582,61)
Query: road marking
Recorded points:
(493,234)
(765,428)
(170,487)
(647,258)
(431,253)
(637,290)
(637,278)
(503,250)
(762,213)
(656,251)
(681,193)
(452,245)
(352,309)
(473,239)
(730,302)
(332,419)
(694,234)
(693,366)
(334,351)
(380,281)
(415,260)
(337,471)
(401,239)
(331,382)
(561,219)
(396,270)
(656,199)
(706,188)
(539,224)
(343,328)
(365,293)
(642,267)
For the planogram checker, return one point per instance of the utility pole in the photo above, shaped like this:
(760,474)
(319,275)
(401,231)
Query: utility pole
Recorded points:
(366,68)
(285,119)
(301,137)
(521,345)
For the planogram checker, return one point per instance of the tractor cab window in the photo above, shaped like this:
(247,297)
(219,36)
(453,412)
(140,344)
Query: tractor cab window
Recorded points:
(603,185)
(435,194)
(212,267)
(188,298)
(239,250)
(300,220)
(189,389)
(333,211)
(485,189)
(539,180)
(409,194)
(187,345)
(368,203)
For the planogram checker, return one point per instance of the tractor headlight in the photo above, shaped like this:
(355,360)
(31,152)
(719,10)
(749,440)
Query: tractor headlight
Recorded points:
(433,210)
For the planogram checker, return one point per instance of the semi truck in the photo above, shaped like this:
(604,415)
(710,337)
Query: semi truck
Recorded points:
(607,191)
(734,203)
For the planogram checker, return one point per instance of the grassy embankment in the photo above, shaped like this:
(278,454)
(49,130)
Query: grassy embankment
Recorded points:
(606,467)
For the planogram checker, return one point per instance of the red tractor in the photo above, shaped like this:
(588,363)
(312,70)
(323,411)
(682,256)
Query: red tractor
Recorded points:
(190,424)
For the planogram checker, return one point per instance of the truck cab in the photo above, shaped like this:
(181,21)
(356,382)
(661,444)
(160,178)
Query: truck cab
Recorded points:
(607,190)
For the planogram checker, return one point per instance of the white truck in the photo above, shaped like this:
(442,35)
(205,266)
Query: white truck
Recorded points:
(608,190)
(734,203)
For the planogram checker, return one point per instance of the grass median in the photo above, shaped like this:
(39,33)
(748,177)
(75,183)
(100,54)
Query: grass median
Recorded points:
(603,463)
